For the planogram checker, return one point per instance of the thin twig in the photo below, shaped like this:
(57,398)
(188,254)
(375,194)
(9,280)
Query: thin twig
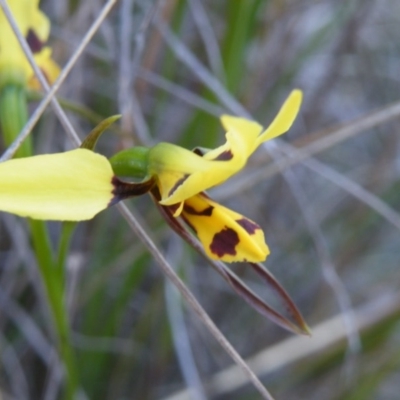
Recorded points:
(363,195)
(187,57)
(328,268)
(180,335)
(181,92)
(138,119)
(54,383)
(125,61)
(208,37)
(25,324)
(132,115)
(11,365)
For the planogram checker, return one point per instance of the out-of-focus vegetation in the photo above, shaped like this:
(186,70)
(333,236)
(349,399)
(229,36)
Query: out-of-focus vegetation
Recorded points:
(332,220)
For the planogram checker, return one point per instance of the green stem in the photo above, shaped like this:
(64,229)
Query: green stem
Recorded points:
(67,229)
(54,283)
(13,116)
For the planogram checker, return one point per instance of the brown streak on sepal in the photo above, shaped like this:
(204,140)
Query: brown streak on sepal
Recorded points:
(178,183)
(124,190)
(34,43)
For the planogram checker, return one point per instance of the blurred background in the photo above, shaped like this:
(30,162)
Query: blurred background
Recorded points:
(326,194)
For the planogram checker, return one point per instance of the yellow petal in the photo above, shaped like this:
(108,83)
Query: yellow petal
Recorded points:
(71,186)
(225,234)
(250,134)
(285,118)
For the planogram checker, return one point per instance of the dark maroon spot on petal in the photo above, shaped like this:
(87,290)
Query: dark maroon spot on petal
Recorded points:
(34,42)
(207,212)
(123,190)
(187,222)
(249,226)
(224,242)
(224,156)
(177,184)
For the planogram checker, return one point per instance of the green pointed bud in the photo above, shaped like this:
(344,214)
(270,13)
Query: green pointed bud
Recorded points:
(91,139)
(132,163)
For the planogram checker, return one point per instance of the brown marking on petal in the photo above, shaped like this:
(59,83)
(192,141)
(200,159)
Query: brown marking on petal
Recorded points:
(178,183)
(224,242)
(224,156)
(123,190)
(207,212)
(249,226)
(35,44)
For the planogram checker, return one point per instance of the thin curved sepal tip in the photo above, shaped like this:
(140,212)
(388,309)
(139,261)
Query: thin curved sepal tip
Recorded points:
(299,327)
(283,296)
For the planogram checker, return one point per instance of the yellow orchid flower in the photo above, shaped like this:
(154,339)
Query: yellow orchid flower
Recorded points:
(78,184)
(181,173)
(35,27)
